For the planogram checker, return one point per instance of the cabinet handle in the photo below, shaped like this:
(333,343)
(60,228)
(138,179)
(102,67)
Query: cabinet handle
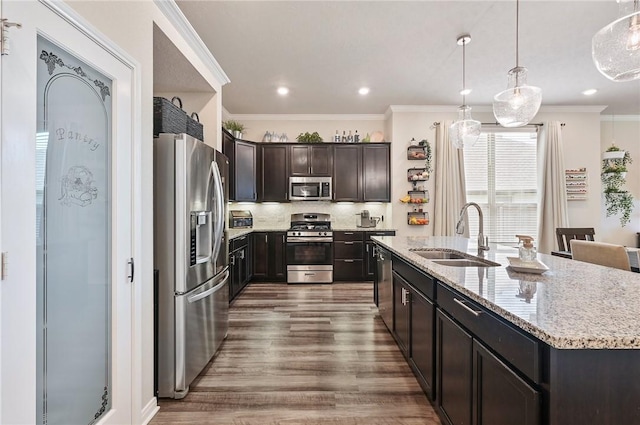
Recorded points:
(348,243)
(348,261)
(282,238)
(466,307)
(242,238)
(404,296)
(265,238)
(348,233)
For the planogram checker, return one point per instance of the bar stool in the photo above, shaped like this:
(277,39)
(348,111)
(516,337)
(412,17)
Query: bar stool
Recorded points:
(604,254)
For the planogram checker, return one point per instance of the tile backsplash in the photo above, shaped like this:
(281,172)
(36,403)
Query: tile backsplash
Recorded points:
(343,214)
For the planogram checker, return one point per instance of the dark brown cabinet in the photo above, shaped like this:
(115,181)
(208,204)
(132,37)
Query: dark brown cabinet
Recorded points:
(347,170)
(348,264)
(310,160)
(401,313)
(454,362)
(274,173)
(376,173)
(242,168)
(475,385)
(240,264)
(269,256)
(500,396)
(362,173)
(422,332)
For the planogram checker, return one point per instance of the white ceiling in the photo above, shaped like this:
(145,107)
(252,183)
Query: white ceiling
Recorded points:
(405,51)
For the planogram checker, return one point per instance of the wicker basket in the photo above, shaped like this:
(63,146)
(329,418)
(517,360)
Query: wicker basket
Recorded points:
(194,128)
(168,117)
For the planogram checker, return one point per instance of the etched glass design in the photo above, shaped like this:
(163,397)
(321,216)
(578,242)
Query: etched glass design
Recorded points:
(73,229)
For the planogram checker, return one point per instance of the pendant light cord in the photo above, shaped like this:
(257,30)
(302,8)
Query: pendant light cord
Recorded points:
(517,30)
(464,97)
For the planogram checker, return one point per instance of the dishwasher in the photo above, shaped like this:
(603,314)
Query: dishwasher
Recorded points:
(385,286)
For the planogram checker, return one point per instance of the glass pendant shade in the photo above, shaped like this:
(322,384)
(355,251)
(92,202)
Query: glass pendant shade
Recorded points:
(616,48)
(465,131)
(519,103)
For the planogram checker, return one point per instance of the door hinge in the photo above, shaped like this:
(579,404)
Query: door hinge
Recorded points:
(4,265)
(5,49)
(132,269)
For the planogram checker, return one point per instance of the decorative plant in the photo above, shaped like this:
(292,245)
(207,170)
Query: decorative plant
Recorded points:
(309,137)
(617,201)
(427,151)
(232,126)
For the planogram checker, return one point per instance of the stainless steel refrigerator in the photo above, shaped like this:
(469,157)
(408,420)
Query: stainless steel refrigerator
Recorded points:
(191,253)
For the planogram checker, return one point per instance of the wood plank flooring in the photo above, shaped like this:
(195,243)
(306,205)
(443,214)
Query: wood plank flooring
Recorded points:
(304,354)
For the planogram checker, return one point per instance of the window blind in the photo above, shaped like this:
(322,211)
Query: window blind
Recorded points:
(501,176)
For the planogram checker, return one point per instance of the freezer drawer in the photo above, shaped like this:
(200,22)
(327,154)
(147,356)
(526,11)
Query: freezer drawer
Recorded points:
(202,318)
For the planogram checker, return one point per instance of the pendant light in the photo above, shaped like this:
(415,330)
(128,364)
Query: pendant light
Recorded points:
(616,48)
(465,131)
(519,103)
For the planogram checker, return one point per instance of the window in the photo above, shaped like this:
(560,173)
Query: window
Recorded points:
(501,177)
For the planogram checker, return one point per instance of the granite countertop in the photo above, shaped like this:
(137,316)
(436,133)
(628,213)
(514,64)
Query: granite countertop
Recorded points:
(573,305)
(236,233)
(363,229)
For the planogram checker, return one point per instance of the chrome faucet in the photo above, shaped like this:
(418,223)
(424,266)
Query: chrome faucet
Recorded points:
(483,242)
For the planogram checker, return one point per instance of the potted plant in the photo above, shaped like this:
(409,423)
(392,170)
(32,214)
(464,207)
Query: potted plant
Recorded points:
(309,137)
(234,127)
(613,152)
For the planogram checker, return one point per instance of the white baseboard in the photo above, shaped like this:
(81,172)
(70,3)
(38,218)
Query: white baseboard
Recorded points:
(149,411)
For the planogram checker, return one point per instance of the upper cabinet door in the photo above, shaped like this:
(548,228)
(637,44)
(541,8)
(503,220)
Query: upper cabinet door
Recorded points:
(347,166)
(274,180)
(376,173)
(242,168)
(310,160)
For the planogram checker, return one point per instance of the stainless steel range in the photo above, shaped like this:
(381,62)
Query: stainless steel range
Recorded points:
(310,249)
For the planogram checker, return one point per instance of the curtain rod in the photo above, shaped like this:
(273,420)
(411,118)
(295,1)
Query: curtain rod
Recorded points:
(538,124)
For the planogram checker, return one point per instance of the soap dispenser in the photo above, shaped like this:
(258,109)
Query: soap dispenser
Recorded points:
(527,251)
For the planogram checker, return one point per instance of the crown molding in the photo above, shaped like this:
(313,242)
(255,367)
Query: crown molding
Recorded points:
(172,12)
(620,118)
(574,108)
(308,117)
(423,108)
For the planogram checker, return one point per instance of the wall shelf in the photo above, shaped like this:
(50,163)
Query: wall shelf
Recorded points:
(416,152)
(417,175)
(418,218)
(576,184)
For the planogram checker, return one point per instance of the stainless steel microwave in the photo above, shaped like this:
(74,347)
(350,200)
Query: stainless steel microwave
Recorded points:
(310,189)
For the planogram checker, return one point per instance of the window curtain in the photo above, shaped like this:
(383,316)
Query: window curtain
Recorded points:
(451,192)
(552,198)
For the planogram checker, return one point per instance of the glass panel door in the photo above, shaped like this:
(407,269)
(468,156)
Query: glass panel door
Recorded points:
(74,242)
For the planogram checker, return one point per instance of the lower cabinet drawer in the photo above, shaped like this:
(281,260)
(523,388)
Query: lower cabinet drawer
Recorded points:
(347,250)
(348,269)
(517,348)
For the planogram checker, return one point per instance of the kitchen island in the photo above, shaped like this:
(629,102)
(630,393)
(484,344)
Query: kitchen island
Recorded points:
(561,347)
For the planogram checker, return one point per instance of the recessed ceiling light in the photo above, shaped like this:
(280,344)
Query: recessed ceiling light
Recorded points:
(282,91)
(465,92)
(590,92)
(364,90)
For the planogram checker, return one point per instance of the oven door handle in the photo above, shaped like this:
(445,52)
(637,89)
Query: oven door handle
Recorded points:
(309,239)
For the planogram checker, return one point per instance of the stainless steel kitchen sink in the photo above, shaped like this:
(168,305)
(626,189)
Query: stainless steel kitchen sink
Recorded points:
(447,257)
(439,255)
(467,263)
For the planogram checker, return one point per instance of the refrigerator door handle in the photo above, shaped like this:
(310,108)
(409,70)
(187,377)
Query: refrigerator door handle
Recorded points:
(208,292)
(219,199)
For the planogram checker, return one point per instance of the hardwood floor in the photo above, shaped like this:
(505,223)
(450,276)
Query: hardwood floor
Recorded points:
(304,354)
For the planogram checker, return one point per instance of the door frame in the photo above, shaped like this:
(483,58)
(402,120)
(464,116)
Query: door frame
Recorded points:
(78,22)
